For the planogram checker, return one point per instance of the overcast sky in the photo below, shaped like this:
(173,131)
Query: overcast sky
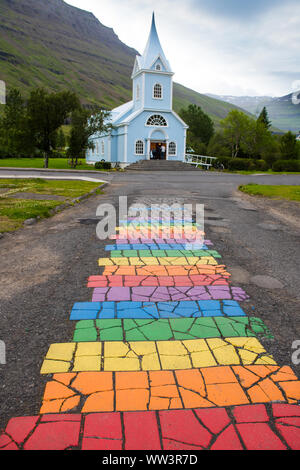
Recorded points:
(224,47)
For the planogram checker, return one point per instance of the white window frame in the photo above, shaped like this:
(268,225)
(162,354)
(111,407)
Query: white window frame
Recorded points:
(170,153)
(155,92)
(156,125)
(102,148)
(139,141)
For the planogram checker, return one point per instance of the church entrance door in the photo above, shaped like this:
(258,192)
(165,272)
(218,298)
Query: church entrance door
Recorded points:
(158,150)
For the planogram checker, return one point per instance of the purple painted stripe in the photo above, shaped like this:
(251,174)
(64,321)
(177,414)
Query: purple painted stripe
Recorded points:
(161,294)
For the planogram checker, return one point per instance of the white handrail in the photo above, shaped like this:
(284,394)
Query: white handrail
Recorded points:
(203,160)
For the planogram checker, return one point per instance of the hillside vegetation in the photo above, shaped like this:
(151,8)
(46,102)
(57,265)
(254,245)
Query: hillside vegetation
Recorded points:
(48,43)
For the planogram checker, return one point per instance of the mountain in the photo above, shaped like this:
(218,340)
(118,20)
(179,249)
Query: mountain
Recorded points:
(282,112)
(52,44)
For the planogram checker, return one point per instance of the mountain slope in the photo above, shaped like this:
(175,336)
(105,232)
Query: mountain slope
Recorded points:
(49,43)
(212,106)
(282,112)
(52,44)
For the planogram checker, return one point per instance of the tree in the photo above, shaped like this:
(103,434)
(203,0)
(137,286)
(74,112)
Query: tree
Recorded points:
(85,124)
(236,130)
(61,139)
(218,147)
(264,118)
(13,129)
(46,114)
(288,146)
(257,140)
(201,127)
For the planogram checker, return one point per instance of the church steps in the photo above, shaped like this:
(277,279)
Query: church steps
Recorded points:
(161,165)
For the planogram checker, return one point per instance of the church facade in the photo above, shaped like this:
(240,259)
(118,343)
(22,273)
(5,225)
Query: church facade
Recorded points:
(146,127)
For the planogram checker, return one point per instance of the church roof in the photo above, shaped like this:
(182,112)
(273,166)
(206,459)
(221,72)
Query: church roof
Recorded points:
(153,51)
(120,111)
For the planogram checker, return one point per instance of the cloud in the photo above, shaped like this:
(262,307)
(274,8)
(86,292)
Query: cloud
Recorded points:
(241,9)
(217,46)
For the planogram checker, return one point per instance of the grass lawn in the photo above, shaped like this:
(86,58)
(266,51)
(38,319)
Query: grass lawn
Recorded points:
(255,172)
(292,193)
(54,164)
(13,211)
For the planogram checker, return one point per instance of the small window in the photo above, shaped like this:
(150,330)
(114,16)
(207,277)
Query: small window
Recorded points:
(102,148)
(172,148)
(137,92)
(157,91)
(139,147)
(157,120)
(158,67)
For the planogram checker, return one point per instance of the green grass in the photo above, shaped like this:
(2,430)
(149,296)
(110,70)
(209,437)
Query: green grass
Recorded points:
(291,193)
(54,163)
(256,172)
(13,211)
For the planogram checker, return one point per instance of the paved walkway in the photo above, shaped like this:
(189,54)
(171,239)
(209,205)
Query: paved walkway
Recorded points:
(84,175)
(163,357)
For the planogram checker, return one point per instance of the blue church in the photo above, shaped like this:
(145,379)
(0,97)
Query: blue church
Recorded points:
(146,127)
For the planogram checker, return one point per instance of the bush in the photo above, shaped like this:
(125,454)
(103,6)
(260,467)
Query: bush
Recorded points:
(221,161)
(102,166)
(242,164)
(261,165)
(286,165)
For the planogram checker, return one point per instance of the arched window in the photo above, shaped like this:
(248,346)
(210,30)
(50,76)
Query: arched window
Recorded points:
(102,148)
(172,148)
(157,91)
(157,120)
(139,147)
(158,67)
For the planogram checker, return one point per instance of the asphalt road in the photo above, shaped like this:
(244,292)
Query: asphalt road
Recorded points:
(44,268)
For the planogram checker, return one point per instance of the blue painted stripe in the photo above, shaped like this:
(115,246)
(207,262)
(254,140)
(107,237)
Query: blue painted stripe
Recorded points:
(158,246)
(156,310)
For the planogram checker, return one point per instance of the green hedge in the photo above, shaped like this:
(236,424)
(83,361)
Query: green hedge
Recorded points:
(241,164)
(223,161)
(102,166)
(244,164)
(287,165)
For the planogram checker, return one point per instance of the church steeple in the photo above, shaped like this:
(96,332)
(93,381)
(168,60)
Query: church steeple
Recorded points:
(152,77)
(153,57)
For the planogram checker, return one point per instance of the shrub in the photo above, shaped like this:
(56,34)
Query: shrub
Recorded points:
(286,165)
(102,166)
(261,165)
(242,164)
(221,161)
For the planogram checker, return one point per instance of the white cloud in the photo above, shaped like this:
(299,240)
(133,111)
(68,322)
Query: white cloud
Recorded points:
(210,51)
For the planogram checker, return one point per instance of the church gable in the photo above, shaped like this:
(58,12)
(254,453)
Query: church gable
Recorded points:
(137,66)
(158,65)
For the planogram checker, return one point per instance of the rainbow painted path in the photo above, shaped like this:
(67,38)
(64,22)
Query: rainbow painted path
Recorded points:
(163,357)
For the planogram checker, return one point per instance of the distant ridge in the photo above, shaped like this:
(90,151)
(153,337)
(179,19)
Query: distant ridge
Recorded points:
(282,112)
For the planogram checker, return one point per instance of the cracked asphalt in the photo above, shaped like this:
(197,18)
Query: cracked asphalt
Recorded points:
(44,268)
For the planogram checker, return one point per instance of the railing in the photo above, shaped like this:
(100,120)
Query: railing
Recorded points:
(202,160)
